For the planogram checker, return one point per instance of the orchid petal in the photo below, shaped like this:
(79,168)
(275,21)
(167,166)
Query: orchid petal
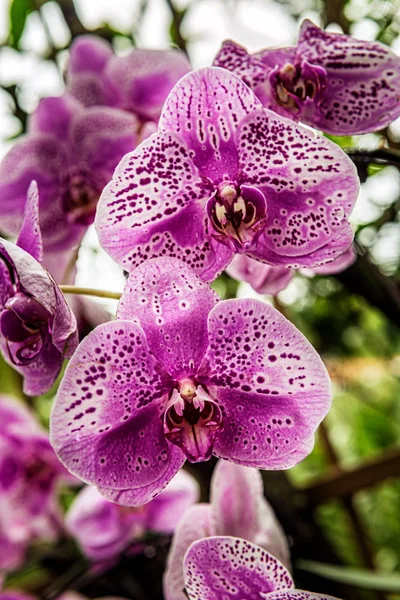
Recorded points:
(145,210)
(38,157)
(363,84)
(231,567)
(263,278)
(170,302)
(204,109)
(53,116)
(106,422)
(310,185)
(235,496)
(166,510)
(270,383)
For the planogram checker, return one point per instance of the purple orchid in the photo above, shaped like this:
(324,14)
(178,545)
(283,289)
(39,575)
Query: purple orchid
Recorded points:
(227,567)
(104,529)
(141,394)
(29,475)
(237,508)
(225,176)
(265,279)
(37,328)
(71,152)
(330,81)
(138,82)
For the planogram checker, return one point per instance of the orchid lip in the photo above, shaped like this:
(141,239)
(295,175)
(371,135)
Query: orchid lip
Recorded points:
(238,215)
(295,85)
(192,421)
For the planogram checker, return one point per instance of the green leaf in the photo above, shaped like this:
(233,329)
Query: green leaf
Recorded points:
(19,10)
(359,578)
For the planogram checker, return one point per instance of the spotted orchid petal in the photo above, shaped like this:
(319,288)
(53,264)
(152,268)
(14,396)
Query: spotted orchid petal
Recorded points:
(363,89)
(270,410)
(194,525)
(263,278)
(170,302)
(105,425)
(203,109)
(310,187)
(228,567)
(145,210)
(144,79)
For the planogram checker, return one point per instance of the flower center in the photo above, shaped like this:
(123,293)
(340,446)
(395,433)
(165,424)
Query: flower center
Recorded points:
(24,325)
(237,215)
(293,85)
(80,199)
(192,421)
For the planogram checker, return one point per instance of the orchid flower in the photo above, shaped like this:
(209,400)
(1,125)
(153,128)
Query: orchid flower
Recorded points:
(138,82)
(37,328)
(181,375)
(224,176)
(330,81)
(71,152)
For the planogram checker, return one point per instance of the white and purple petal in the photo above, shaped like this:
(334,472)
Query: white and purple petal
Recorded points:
(229,567)
(204,109)
(145,210)
(363,81)
(309,184)
(268,380)
(106,424)
(170,302)
(30,237)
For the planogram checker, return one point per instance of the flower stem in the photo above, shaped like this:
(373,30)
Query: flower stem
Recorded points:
(74,289)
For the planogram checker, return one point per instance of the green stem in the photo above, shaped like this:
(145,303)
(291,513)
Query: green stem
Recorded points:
(74,289)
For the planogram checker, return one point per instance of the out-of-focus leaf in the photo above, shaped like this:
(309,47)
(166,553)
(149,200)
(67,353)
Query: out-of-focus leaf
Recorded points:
(360,578)
(19,10)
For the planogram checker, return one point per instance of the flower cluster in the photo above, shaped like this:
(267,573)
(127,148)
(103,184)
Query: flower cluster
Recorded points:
(185,174)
